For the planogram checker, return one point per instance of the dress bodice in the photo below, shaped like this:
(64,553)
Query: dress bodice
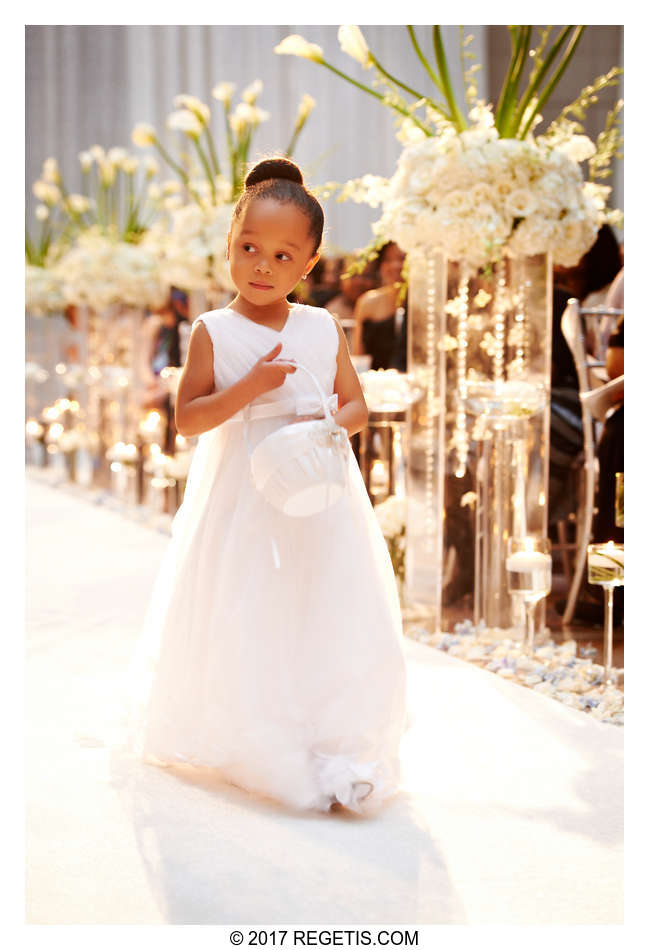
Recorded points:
(309,337)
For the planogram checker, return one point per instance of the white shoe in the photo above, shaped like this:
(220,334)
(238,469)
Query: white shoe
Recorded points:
(361,790)
(352,795)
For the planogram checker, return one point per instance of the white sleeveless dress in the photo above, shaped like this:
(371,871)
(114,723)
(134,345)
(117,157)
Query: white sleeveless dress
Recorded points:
(272,647)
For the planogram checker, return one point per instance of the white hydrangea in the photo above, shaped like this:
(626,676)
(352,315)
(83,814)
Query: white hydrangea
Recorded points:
(476,196)
(100,271)
(190,244)
(43,291)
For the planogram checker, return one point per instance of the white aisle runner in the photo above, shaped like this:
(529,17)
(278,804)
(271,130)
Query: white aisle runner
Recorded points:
(512,811)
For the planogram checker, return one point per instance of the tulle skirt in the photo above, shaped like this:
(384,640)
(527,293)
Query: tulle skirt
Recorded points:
(272,647)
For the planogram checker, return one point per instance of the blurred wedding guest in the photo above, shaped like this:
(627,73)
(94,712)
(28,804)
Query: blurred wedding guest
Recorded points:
(379,320)
(590,281)
(610,457)
(161,348)
(322,283)
(351,288)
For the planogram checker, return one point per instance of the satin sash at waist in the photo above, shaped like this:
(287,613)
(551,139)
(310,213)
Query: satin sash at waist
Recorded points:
(300,406)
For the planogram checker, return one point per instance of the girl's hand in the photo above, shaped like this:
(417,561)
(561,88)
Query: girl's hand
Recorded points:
(269,373)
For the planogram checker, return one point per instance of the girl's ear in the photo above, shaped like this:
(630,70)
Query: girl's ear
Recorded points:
(227,253)
(311,264)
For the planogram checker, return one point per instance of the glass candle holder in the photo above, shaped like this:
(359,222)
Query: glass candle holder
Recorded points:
(606,568)
(619,499)
(529,576)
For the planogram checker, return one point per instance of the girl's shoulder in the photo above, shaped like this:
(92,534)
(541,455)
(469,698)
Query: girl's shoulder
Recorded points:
(211,319)
(317,314)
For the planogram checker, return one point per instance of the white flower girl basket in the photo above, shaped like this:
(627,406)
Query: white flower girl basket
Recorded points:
(301,468)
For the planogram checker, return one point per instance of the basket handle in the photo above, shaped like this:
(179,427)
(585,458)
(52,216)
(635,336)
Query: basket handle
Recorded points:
(323,398)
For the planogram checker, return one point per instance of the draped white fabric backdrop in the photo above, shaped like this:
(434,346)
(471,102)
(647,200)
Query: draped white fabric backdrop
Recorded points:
(90,85)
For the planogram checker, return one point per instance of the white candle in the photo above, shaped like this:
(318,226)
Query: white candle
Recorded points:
(601,556)
(527,561)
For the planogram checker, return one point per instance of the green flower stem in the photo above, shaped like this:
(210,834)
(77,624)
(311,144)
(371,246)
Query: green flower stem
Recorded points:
(169,160)
(423,59)
(456,116)
(103,195)
(537,78)
(203,158)
(507,103)
(212,150)
(519,67)
(377,95)
(417,95)
(116,201)
(291,145)
(567,56)
(513,35)
(374,61)
(231,146)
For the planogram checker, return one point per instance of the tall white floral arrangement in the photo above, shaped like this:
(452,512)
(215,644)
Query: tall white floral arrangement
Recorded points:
(482,185)
(188,236)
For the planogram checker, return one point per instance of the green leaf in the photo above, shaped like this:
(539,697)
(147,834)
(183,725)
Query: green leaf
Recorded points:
(569,53)
(509,93)
(537,77)
(456,116)
(422,58)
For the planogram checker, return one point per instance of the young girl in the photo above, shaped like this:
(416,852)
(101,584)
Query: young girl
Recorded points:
(273,644)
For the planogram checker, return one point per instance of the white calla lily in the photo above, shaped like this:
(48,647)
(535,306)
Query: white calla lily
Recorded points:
(185,121)
(46,192)
(199,109)
(296,45)
(51,171)
(353,43)
(307,104)
(251,92)
(143,135)
(223,91)
(86,160)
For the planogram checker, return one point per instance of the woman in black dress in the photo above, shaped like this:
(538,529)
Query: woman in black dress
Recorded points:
(379,321)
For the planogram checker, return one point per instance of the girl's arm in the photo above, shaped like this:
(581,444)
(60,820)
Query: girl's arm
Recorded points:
(198,406)
(353,413)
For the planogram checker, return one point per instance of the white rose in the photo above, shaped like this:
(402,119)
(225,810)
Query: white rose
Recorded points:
(456,201)
(520,203)
(422,177)
(482,194)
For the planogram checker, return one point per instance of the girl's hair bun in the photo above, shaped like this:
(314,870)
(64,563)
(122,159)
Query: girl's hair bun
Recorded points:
(274,168)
